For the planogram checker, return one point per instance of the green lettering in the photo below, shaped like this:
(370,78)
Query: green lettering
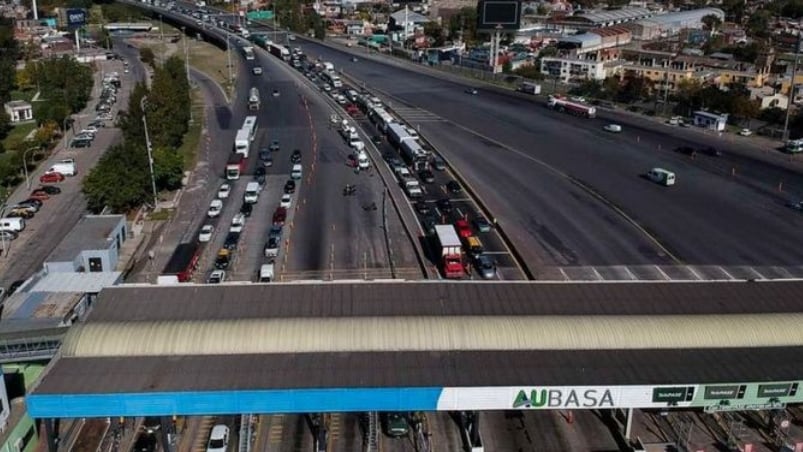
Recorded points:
(521,400)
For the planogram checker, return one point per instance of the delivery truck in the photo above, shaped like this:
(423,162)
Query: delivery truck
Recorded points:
(450,252)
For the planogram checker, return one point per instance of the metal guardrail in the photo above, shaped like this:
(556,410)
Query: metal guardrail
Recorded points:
(372,441)
(246,432)
(29,348)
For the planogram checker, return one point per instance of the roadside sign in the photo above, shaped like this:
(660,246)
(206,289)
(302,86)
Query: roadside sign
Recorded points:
(260,15)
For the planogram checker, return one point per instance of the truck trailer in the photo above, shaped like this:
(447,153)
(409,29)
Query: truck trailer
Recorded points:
(182,264)
(560,103)
(450,251)
(234,167)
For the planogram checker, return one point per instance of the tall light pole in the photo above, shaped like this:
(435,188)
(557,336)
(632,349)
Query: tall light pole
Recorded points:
(791,98)
(25,165)
(228,55)
(187,64)
(148,147)
(3,240)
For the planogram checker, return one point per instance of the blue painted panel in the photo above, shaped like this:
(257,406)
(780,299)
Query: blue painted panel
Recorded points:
(233,402)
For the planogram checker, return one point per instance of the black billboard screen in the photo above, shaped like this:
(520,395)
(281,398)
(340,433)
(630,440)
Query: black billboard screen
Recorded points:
(495,13)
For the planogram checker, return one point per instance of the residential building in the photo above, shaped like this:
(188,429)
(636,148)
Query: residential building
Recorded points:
(670,24)
(769,97)
(93,245)
(19,432)
(711,121)
(593,55)
(406,22)
(19,111)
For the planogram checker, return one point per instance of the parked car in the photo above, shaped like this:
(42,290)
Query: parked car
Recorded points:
(231,240)
(279,216)
(286,201)
(224,191)
(237,223)
(222,259)
(454,187)
(275,232)
(485,266)
(215,207)
(51,178)
(50,189)
(295,157)
(8,235)
(33,202)
(439,163)
(20,212)
(290,186)
(482,224)
(40,194)
(246,209)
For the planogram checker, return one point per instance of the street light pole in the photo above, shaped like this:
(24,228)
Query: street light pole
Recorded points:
(25,166)
(228,55)
(187,64)
(148,147)
(791,98)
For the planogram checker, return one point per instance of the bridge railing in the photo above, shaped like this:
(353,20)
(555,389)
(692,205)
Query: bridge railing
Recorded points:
(246,432)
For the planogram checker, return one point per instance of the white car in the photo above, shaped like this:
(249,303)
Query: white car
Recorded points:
(216,277)
(206,233)
(615,128)
(257,70)
(237,223)
(90,129)
(224,191)
(286,201)
(215,207)
(218,439)
(327,87)
(745,132)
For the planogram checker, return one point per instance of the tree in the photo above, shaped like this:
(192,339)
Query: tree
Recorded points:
(773,115)
(743,109)
(532,72)
(758,25)
(464,24)
(711,22)
(734,10)
(147,56)
(9,53)
(120,180)
(168,168)
(590,88)
(5,125)
(633,88)
(435,31)
(793,9)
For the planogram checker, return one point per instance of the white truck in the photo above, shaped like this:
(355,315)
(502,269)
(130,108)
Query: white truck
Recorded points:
(66,167)
(362,160)
(253,99)
(242,143)
(560,103)
(266,273)
(412,188)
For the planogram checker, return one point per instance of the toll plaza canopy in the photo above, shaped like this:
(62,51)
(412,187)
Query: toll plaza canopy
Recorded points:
(401,346)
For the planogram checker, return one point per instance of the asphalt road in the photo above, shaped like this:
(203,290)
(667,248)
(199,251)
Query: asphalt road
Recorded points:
(524,161)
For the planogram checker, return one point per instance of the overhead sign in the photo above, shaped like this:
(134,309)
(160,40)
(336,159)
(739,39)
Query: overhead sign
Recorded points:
(777,390)
(498,15)
(673,394)
(259,15)
(723,392)
(76,18)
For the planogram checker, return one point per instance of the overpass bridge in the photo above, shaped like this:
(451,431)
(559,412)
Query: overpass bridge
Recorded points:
(410,346)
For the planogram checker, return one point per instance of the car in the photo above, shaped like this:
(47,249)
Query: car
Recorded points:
(427,176)
(206,233)
(20,212)
(463,228)
(286,201)
(686,150)
(78,143)
(745,132)
(614,128)
(290,186)
(215,207)
(275,93)
(472,91)
(259,175)
(396,425)
(145,442)
(50,189)
(216,277)
(31,209)
(295,157)
(274,146)
(257,70)
(40,194)
(51,178)
(482,224)
(376,139)
(224,191)
(796,205)
(246,209)
(485,266)
(422,207)
(454,187)
(275,231)
(83,137)
(439,163)
(31,202)
(444,205)
(279,216)
(354,59)
(90,129)
(222,260)
(14,286)
(96,123)
(711,151)
(271,249)
(265,154)
(231,240)
(237,223)
(8,235)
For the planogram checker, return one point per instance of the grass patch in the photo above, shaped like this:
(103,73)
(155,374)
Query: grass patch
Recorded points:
(26,95)
(191,140)
(18,134)
(212,61)
(160,215)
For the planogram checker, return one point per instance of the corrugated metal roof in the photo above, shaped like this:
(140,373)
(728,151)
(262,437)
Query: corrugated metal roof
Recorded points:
(202,302)
(614,15)
(427,334)
(77,282)
(682,18)
(585,39)
(407,369)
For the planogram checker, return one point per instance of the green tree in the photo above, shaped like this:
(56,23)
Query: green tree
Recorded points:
(435,31)
(5,125)
(168,168)
(758,24)
(773,115)
(147,56)
(590,88)
(120,180)
(532,72)
(734,10)
(465,22)
(793,9)
(9,53)
(633,88)
(711,22)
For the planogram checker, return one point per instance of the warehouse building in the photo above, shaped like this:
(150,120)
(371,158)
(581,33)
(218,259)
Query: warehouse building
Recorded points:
(586,20)
(665,25)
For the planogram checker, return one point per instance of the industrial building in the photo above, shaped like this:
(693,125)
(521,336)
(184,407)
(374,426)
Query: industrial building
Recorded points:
(586,20)
(670,24)
(91,246)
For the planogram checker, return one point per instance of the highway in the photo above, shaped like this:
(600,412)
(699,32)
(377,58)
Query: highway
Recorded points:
(526,162)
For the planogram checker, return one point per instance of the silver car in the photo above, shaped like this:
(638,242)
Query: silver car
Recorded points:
(485,266)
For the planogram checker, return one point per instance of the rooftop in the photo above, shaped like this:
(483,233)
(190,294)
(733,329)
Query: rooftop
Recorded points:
(80,283)
(14,104)
(91,233)
(681,18)
(40,305)
(614,15)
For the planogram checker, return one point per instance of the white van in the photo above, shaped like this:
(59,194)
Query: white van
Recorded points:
(362,160)
(251,193)
(266,273)
(661,176)
(65,167)
(14,224)
(296,173)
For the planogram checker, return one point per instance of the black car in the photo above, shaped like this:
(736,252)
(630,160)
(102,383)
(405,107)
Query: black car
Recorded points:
(711,151)
(290,186)
(231,240)
(50,189)
(264,154)
(259,175)
(454,187)
(145,443)
(15,285)
(440,164)
(376,139)
(246,209)
(275,232)
(427,176)
(422,207)
(295,157)
(685,150)
(444,205)
(31,202)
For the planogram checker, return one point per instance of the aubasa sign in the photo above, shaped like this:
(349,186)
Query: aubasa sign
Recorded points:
(564,398)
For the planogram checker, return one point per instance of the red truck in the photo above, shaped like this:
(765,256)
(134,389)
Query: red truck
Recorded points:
(182,264)
(450,252)
(235,166)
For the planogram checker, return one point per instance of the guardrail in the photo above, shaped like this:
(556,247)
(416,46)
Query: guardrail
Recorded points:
(246,432)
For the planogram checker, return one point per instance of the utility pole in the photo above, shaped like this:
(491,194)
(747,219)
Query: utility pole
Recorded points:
(228,55)
(148,147)
(791,98)
(187,66)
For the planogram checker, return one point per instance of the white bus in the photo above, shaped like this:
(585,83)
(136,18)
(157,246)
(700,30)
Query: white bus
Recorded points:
(794,146)
(242,143)
(250,124)
(332,79)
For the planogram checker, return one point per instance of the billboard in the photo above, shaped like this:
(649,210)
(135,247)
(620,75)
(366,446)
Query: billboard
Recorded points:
(76,18)
(501,15)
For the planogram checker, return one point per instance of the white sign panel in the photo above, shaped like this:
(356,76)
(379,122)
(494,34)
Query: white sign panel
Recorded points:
(559,397)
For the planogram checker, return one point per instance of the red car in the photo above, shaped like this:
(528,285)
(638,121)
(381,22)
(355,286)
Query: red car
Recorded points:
(463,228)
(40,195)
(51,178)
(279,216)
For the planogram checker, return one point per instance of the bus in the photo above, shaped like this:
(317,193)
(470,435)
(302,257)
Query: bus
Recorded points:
(332,79)
(250,124)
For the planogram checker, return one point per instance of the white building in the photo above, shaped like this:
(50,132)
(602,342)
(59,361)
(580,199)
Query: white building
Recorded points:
(769,98)
(711,121)
(19,111)
(670,24)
